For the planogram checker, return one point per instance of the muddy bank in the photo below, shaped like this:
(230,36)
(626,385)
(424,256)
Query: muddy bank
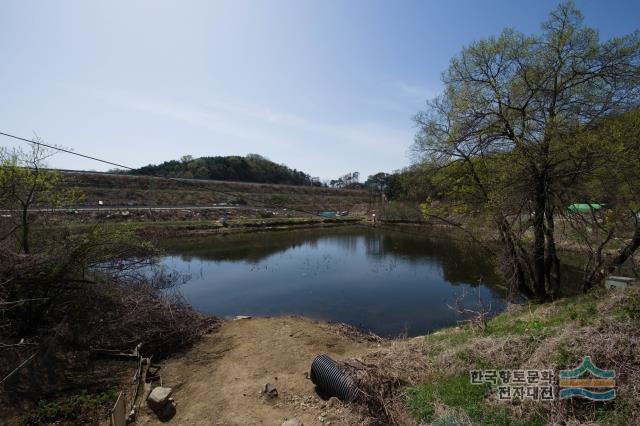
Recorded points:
(154,231)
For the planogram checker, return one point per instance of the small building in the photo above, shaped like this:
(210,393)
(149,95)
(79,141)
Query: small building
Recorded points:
(617,282)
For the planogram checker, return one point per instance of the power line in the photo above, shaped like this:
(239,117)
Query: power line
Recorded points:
(66,150)
(180,180)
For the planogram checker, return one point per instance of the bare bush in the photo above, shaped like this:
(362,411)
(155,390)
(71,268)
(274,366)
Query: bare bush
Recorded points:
(381,377)
(64,292)
(162,321)
(475,317)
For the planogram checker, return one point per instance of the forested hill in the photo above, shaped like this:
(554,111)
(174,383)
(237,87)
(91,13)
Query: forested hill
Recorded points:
(252,168)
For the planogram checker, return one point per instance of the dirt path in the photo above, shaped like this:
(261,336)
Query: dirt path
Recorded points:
(219,381)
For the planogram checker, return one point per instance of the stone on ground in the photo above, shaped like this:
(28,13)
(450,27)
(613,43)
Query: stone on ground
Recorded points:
(334,402)
(270,390)
(158,397)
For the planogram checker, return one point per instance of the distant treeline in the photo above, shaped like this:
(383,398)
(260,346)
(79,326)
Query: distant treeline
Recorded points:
(411,184)
(252,168)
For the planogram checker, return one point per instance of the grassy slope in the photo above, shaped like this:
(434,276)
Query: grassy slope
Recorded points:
(552,336)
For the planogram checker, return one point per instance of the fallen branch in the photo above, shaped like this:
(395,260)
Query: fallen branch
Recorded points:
(18,368)
(21,301)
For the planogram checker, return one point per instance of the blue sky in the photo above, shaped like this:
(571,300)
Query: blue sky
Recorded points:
(324,86)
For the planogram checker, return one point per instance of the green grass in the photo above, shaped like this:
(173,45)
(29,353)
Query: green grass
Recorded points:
(613,413)
(529,321)
(68,409)
(465,398)
(455,392)
(509,326)
(474,361)
(564,356)
(451,336)
(530,325)
(631,309)
(582,309)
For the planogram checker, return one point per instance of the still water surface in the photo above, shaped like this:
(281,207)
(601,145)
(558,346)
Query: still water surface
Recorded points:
(386,281)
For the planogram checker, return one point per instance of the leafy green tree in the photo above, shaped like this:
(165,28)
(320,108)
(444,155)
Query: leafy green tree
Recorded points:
(377,181)
(612,178)
(26,185)
(349,180)
(501,134)
(252,168)
(412,184)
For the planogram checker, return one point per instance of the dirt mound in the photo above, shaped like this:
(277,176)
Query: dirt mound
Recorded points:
(219,381)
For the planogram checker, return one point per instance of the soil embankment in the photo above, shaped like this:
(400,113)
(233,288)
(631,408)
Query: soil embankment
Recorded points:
(145,191)
(423,380)
(157,207)
(219,381)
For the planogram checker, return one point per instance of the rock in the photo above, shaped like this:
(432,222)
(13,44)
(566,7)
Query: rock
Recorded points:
(334,402)
(167,412)
(158,398)
(292,422)
(270,390)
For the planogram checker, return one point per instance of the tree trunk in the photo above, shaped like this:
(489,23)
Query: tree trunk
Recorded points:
(552,263)
(25,230)
(627,251)
(598,274)
(514,259)
(539,240)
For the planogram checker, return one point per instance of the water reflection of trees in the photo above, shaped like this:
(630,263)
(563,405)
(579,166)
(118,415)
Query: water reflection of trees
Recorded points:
(255,247)
(461,261)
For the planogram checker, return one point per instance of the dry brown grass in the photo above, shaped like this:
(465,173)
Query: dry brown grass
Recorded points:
(604,325)
(149,191)
(382,375)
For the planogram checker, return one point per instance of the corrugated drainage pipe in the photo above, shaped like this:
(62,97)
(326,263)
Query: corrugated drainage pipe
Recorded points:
(332,380)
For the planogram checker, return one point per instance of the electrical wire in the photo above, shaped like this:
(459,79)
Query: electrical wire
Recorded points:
(180,180)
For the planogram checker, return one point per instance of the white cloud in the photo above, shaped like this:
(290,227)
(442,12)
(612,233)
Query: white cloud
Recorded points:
(317,147)
(415,92)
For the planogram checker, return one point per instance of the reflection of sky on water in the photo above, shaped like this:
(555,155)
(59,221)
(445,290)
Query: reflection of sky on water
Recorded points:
(382,281)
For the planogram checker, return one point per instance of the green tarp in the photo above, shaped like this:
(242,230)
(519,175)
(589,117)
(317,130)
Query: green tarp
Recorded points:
(329,215)
(584,208)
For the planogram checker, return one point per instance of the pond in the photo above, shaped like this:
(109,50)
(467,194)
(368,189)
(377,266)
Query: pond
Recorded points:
(383,280)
